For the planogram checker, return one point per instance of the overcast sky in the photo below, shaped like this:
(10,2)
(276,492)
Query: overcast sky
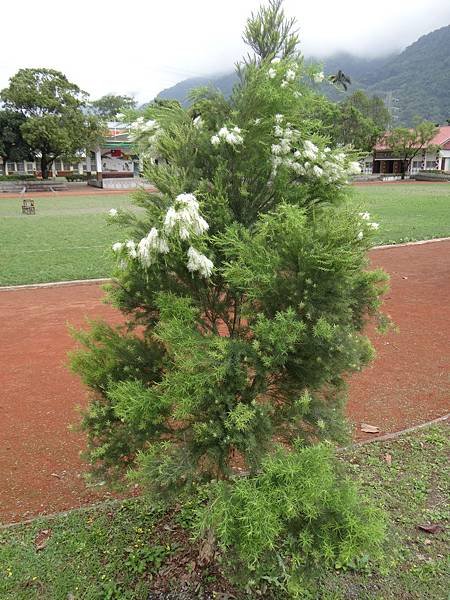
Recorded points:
(142,46)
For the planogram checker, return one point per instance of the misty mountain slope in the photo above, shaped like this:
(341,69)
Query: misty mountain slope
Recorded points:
(418,77)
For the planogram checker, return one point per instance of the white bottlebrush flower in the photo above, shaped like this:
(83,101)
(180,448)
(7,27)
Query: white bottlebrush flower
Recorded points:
(310,154)
(360,235)
(284,83)
(318,77)
(308,145)
(117,247)
(131,247)
(271,73)
(233,138)
(189,200)
(290,75)
(171,219)
(257,121)
(163,246)
(186,215)
(223,132)
(199,262)
(279,118)
(318,172)
(113,212)
(150,125)
(276,149)
(144,252)
(184,233)
(279,131)
(298,94)
(365,216)
(374,225)
(275,60)
(198,122)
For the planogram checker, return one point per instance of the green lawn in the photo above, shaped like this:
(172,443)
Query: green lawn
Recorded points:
(408,212)
(128,550)
(68,238)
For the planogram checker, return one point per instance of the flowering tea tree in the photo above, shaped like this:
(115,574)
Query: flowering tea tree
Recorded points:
(243,281)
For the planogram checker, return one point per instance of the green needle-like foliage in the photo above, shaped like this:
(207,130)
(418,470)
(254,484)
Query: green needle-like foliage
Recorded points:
(245,288)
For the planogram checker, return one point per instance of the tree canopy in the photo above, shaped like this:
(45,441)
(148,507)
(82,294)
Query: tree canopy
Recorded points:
(56,123)
(13,146)
(111,105)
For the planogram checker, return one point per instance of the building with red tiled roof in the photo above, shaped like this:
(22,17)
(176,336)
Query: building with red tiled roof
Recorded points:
(434,158)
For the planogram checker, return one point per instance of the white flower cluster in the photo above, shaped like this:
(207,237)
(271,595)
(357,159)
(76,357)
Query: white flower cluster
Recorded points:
(365,216)
(230,136)
(149,247)
(288,76)
(113,212)
(306,159)
(198,122)
(185,217)
(185,220)
(199,262)
(318,77)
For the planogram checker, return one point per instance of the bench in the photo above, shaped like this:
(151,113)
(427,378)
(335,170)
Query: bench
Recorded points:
(28,207)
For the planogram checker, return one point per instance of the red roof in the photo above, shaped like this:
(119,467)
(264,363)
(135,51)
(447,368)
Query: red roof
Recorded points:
(441,137)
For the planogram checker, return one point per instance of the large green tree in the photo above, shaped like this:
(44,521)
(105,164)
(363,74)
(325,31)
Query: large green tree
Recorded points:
(359,120)
(56,124)
(13,146)
(109,106)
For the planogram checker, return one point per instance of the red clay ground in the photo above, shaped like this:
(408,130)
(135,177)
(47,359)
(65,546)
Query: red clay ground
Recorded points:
(40,467)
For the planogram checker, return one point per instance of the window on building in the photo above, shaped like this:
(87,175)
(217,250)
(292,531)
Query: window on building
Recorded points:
(11,166)
(430,164)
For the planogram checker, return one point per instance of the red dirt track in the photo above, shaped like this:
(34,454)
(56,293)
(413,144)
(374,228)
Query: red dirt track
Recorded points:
(40,468)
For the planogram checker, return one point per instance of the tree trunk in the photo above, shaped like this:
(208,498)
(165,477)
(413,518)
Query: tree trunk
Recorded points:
(45,163)
(403,169)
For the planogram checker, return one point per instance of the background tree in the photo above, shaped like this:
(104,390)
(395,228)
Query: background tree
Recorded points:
(56,123)
(110,105)
(13,146)
(407,143)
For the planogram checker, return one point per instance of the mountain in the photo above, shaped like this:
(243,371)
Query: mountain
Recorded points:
(415,81)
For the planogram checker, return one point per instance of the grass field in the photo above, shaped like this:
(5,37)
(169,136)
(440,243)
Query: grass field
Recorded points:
(68,238)
(407,212)
(126,550)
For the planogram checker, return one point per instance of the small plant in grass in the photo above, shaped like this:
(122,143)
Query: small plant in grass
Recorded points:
(245,287)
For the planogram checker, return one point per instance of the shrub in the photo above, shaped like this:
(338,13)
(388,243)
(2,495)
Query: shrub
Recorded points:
(300,511)
(17,177)
(245,287)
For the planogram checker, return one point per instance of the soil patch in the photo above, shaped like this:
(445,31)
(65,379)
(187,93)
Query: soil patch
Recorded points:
(41,470)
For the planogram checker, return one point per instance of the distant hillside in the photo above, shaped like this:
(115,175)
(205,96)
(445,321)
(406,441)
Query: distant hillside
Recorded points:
(418,78)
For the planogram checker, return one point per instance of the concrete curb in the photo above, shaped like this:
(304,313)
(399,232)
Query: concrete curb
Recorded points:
(11,288)
(419,243)
(31,286)
(115,501)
